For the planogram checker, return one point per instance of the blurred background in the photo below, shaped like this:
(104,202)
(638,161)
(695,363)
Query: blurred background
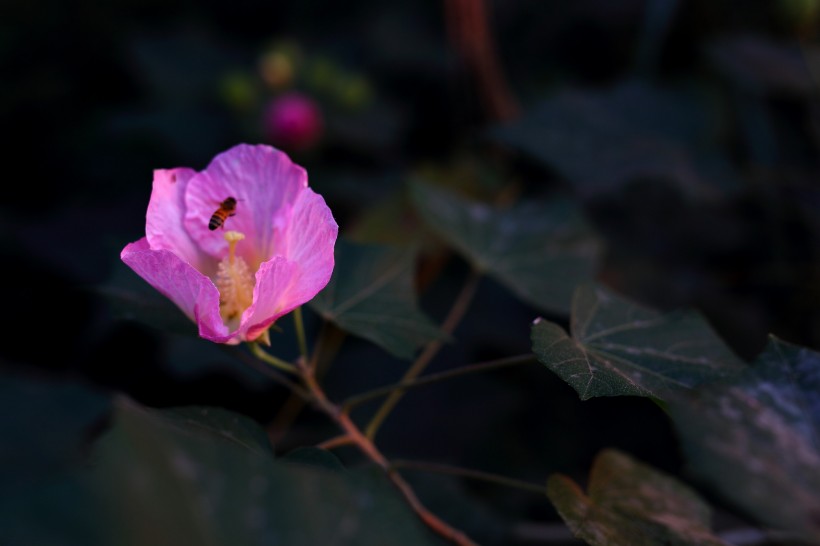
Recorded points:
(688,131)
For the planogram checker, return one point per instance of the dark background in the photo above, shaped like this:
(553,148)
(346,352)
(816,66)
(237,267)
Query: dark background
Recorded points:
(95,95)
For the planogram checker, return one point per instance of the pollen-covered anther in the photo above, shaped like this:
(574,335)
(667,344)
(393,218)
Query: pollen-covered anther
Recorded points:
(235,283)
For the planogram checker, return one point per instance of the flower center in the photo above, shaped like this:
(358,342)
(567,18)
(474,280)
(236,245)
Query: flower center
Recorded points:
(235,283)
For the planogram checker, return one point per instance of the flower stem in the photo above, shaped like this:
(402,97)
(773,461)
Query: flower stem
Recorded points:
(355,436)
(403,386)
(268,371)
(472,474)
(274,361)
(300,333)
(453,318)
(326,345)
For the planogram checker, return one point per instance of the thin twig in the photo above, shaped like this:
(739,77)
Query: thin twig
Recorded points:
(403,386)
(367,447)
(336,441)
(471,474)
(326,345)
(268,371)
(453,318)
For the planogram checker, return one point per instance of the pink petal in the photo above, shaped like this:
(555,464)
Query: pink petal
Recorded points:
(264,182)
(164,228)
(271,296)
(177,279)
(309,241)
(284,284)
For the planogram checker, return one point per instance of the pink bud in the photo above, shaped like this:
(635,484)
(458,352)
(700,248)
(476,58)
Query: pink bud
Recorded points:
(293,122)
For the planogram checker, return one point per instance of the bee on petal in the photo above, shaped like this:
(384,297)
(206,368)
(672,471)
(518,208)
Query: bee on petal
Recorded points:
(226,209)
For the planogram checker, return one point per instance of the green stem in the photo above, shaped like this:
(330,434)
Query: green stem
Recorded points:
(453,318)
(471,474)
(272,360)
(267,370)
(300,333)
(403,386)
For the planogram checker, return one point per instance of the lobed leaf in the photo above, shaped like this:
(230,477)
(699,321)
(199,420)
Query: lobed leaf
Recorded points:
(371,295)
(756,437)
(619,348)
(631,504)
(540,251)
(171,480)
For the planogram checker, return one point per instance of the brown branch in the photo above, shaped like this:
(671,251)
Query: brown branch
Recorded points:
(366,446)
(469,31)
(327,344)
(453,318)
(403,386)
(337,441)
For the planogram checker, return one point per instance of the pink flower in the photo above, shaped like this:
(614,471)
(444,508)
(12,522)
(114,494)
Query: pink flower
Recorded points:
(293,121)
(272,255)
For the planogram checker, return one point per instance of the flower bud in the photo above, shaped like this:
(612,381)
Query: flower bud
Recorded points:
(293,122)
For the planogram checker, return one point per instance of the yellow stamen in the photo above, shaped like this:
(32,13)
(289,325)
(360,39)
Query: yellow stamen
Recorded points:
(235,283)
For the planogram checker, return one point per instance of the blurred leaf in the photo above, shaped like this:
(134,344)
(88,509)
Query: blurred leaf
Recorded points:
(619,348)
(762,65)
(166,483)
(314,456)
(786,378)
(539,251)
(131,298)
(46,427)
(631,504)
(221,425)
(371,295)
(454,500)
(756,438)
(599,141)
(375,128)
(389,221)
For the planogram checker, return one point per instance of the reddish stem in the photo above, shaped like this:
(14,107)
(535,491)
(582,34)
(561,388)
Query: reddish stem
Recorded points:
(354,435)
(469,29)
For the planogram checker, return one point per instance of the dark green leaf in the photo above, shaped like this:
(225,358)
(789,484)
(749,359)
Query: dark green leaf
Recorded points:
(46,428)
(371,295)
(174,481)
(221,425)
(619,348)
(314,456)
(539,251)
(631,504)
(756,438)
